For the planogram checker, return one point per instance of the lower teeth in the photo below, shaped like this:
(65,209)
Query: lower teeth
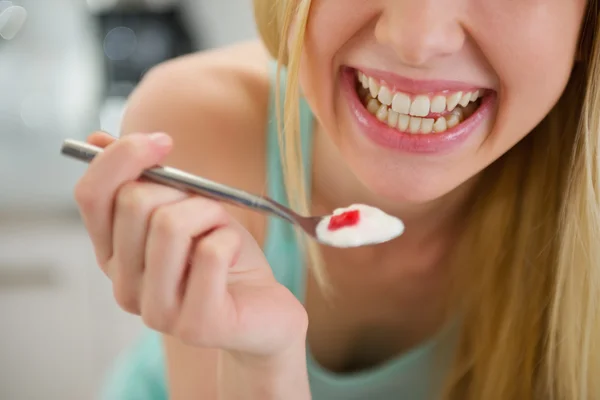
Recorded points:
(416,125)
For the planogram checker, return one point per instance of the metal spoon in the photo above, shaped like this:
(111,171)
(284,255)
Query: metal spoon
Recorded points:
(191,183)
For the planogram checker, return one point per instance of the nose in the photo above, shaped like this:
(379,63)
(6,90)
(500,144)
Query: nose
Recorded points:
(420,31)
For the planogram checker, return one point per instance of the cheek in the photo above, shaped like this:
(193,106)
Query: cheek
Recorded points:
(532,58)
(327,36)
(317,64)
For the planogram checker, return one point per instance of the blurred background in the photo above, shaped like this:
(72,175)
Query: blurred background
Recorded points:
(66,68)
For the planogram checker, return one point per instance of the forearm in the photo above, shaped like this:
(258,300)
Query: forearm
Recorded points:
(285,379)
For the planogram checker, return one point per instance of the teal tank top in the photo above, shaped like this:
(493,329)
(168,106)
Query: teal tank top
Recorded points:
(139,374)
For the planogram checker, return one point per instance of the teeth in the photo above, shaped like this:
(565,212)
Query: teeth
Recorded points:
(440,125)
(415,124)
(438,104)
(427,125)
(403,122)
(392,118)
(373,106)
(385,96)
(374,87)
(420,106)
(453,100)
(399,110)
(401,103)
(382,113)
(365,83)
(363,80)
(465,99)
(452,120)
(458,112)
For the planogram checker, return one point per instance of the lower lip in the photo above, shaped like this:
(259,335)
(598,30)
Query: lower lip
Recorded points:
(391,138)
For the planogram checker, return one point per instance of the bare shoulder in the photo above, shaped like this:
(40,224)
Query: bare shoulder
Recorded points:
(214,104)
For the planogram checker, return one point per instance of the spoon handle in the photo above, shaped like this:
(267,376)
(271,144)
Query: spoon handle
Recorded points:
(187,182)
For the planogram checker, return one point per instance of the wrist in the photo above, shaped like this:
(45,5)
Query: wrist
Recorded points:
(283,357)
(281,376)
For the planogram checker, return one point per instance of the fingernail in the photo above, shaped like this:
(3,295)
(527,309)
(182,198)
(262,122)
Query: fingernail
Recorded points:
(161,139)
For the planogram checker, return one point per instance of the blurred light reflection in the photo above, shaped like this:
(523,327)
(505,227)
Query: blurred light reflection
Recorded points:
(120,43)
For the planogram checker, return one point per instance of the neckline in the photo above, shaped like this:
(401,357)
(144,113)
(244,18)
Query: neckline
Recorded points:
(417,358)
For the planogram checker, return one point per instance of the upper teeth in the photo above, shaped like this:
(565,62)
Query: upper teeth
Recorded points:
(419,105)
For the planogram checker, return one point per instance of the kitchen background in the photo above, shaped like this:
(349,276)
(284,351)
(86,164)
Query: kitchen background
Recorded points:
(66,68)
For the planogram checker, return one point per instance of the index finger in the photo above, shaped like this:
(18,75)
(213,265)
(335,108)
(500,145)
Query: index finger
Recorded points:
(122,161)
(100,139)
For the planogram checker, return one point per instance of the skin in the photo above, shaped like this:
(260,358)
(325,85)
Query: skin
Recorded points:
(193,268)
(427,192)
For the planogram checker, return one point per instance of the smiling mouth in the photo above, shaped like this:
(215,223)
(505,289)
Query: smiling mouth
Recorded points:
(416,113)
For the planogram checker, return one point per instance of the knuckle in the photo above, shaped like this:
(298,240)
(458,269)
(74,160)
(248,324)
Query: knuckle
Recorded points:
(103,265)
(157,314)
(232,243)
(167,223)
(218,212)
(212,207)
(212,211)
(125,298)
(156,319)
(133,197)
(209,252)
(219,248)
(234,240)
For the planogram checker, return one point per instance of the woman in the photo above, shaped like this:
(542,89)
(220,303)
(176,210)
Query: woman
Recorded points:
(474,122)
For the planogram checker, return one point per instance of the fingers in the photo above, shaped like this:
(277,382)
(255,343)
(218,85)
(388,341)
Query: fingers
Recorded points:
(134,205)
(100,139)
(167,254)
(120,162)
(173,229)
(207,314)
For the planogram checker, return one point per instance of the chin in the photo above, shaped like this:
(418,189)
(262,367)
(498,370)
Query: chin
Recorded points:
(408,187)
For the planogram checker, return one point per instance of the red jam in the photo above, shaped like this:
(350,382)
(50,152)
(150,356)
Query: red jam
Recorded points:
(345,219)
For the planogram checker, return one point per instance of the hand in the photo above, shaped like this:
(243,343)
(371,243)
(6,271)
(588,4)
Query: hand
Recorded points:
(181,261)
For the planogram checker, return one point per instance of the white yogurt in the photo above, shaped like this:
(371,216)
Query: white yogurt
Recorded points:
(374,226)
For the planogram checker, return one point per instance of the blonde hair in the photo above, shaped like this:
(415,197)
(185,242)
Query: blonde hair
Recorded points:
(529,259)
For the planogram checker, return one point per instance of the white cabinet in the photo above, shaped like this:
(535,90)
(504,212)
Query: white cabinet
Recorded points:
(59,326)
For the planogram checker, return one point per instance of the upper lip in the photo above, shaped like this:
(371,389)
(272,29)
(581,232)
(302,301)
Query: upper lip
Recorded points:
(412,86)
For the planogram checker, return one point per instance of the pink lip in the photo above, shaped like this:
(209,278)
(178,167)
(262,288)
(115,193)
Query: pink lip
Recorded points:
(381,134)
(411,86)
